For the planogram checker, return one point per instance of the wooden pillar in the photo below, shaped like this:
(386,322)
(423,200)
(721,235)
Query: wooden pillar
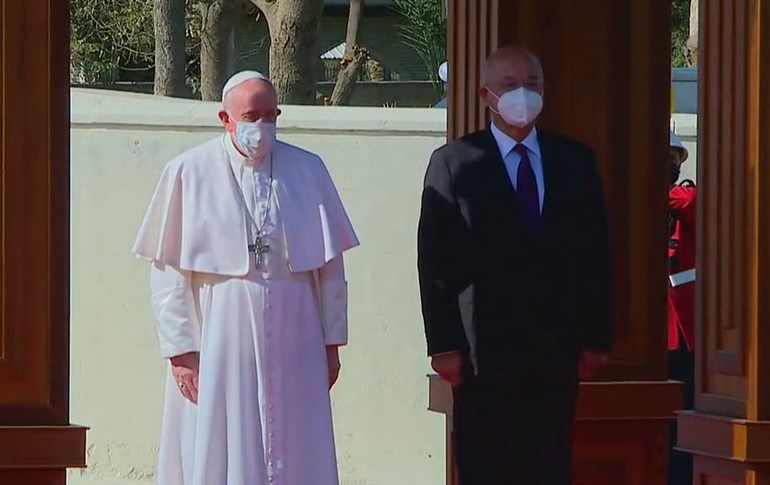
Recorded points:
(471,37)
(607,82)
(37,442)
(729,433)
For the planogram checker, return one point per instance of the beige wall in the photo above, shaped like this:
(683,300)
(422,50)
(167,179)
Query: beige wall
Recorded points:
(686,126)
(377,157)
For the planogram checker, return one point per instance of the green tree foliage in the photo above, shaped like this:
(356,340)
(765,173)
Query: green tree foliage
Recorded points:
(108,36)
(680,31)
(194,30)
(425,31)
(114,39)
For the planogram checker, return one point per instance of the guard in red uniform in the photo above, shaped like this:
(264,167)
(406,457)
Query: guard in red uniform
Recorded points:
(681,295)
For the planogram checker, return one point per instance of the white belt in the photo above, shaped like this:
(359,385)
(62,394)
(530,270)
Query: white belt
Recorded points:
(682,278)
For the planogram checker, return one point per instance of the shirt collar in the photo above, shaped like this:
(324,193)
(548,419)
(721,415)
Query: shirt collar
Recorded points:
(505,143)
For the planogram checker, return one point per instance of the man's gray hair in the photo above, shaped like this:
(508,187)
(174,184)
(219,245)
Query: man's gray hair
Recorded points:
(507,53)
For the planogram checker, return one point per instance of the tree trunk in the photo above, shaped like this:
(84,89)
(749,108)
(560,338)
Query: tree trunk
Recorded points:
(692,41)
(217,50)
(294,56)
(170,56)
(352,60)
(694,17)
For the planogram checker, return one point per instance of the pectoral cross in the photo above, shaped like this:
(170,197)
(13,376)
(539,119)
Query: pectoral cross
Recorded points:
(259,248)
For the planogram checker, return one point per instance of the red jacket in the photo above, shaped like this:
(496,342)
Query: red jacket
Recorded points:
(681,299)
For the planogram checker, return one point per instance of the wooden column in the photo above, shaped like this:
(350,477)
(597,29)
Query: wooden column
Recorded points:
(471,37)
(607,77)
(729,433)
(37,442)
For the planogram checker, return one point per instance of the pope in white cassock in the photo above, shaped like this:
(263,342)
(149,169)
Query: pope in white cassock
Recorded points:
(245,235)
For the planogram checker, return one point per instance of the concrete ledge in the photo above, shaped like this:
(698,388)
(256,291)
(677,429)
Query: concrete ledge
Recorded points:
(96,108)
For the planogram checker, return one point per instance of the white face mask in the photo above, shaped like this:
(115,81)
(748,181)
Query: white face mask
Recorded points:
(255,140)
(519,107)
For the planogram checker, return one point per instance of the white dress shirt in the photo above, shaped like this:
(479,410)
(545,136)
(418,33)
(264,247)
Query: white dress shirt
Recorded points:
(512,159)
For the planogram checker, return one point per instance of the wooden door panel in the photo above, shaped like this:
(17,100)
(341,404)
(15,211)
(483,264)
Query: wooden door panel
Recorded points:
(34,204)
(726,212)
(37,442)
(733,176)
(729,431)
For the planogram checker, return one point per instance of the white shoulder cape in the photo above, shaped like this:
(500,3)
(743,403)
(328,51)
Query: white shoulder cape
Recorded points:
(196,221)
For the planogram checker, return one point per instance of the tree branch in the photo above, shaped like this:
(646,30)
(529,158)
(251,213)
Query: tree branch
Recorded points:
(354,57)
(267,7)
(354,22)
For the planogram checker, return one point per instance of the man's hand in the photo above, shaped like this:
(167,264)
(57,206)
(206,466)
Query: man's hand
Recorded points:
(590,363)
(185,370)
(449,367)
(333,361)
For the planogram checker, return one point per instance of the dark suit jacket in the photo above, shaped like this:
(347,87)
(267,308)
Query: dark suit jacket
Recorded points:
(507,296)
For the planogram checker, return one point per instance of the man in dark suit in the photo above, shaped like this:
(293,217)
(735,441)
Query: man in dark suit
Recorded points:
(514,266)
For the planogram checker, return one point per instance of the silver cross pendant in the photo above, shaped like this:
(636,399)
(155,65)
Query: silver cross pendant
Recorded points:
(259,248)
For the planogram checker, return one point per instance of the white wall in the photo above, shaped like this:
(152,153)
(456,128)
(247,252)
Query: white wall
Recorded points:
(377,157)
(686,126)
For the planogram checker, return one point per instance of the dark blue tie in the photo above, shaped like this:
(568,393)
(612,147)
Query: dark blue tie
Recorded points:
(526,187)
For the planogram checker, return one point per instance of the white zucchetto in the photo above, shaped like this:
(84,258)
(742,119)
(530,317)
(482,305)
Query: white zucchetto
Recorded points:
(242,77)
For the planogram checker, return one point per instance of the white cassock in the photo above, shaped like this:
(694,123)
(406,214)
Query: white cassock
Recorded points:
(263,414)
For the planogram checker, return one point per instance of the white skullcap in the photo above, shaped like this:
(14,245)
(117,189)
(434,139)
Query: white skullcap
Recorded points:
(240,78)
(442,72)
(676,142)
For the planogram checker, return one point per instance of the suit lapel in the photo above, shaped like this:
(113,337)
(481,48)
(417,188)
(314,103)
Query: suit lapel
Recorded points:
(495,177)
(551,174)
